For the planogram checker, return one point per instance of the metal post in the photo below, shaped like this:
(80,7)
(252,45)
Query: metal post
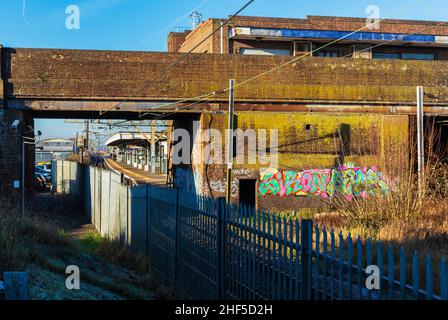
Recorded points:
(153,146)
(23,176)
(221,247)
(176,240)
(306,229)
(420,138)
(148,158)
(230,141)
(87,135)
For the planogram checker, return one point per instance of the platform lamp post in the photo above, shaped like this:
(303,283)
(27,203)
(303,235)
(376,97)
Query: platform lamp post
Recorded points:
(230,141)
(420,140)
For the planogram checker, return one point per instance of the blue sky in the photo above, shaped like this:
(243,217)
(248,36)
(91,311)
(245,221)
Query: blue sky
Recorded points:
(144,24)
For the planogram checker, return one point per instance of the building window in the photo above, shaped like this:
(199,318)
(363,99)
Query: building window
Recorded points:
(385,56)
(327,54)
(300,48)
(265,52)
(405,56)
(417,56)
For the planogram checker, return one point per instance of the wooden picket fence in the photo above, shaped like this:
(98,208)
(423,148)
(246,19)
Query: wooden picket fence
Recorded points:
(211,250)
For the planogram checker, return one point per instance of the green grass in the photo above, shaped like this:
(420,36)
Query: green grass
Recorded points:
(300,213)
(113,252)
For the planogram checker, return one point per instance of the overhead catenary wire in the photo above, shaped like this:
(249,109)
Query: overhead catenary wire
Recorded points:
(298,58)
(366,49)
(238,84)
(196,100)
(322,47)
(173,112)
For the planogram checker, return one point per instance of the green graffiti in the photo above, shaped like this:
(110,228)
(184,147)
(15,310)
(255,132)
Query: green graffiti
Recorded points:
(346,181)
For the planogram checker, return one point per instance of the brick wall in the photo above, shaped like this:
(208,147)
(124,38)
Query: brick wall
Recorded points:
(47,73)
(175,40)
(11,154)
(197,35)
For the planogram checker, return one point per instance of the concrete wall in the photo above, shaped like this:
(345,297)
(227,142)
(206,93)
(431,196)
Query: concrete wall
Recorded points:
(189,177)
(305,142)
(65,176)
(120,212)
(113,208)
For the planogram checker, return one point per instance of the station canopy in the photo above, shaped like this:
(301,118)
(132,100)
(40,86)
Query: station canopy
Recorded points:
(124,138)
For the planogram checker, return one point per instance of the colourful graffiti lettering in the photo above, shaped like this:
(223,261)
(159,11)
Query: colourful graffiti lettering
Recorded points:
(348,181)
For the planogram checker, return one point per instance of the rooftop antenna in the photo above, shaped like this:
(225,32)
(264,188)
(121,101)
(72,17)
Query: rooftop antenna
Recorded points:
(196,19)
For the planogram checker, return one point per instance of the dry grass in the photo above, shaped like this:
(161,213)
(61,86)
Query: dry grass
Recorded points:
(408,211)
(37,241)
(21,238)
(114,252)
(410,216)
(12,254)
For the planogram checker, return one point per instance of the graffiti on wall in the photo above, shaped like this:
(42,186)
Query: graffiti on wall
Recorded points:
(220,186)
(349,181)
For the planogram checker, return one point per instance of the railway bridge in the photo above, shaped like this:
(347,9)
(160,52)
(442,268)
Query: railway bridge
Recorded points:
(308,100)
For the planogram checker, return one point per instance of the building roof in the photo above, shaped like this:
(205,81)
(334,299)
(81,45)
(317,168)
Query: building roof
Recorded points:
(57,140)
(55,145)
(341,18)
(128,137)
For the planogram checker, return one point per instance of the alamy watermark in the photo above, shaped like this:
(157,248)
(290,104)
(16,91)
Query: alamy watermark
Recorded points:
(250,146)
(73,20)
(373,281)
(374,17)
(73,280)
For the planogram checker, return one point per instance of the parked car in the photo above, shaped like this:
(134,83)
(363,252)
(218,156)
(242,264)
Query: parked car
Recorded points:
(45,173)
(42,184)
(43,168)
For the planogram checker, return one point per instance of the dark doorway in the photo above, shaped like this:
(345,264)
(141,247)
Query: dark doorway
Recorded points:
(247,193)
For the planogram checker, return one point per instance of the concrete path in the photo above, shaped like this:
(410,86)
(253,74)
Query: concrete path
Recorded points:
(138,175)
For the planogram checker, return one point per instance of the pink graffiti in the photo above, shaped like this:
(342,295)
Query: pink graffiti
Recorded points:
(348,180)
